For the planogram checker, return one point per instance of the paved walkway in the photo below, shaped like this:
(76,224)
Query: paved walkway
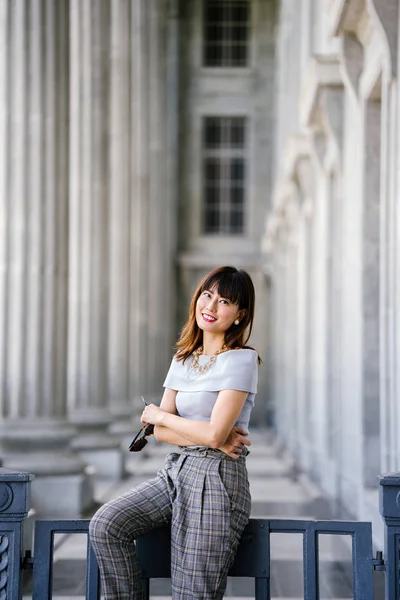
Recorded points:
(277,491)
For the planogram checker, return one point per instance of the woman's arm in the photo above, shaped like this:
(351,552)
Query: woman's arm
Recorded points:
(213,433)
(163,434)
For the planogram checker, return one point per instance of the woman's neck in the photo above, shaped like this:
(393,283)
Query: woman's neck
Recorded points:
(212,344)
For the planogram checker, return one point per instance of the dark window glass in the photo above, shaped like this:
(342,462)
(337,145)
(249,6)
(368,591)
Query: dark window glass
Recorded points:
(212,170)
(237,135)
(212,195)
(224,172)
(236,222)
(237,169)
(212,133)
(211,221)
(237,194)
(239,55)
(226,33)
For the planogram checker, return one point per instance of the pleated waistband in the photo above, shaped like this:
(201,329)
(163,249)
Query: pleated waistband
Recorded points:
(204,452)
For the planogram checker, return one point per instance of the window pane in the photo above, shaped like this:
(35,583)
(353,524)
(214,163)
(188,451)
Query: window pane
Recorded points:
(237,133)
(226,32)
(240,12)
(214,34)
(213,12)
(212,170)
(239,34)
(211,197)
(213,55)
(236,222)
(211,221)
(239,55)
(237,169)
(224,193)
(212,133)
(237,194)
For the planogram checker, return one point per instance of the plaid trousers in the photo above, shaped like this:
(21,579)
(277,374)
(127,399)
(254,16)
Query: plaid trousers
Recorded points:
(205,496)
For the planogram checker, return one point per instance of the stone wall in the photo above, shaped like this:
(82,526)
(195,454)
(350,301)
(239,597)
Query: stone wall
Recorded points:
(246,92)
(331,243)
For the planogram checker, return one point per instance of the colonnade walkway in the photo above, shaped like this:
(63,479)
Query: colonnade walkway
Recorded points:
(278,491)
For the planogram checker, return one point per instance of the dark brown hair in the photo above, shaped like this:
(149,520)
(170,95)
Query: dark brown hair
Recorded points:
(234,285)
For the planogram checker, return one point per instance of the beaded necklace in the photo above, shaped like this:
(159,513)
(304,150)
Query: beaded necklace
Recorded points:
(202,369)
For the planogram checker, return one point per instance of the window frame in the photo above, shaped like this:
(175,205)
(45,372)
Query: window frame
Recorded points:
(227,152)
(250,42)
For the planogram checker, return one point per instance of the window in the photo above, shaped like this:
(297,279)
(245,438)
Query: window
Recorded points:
(226,33)
(224,174)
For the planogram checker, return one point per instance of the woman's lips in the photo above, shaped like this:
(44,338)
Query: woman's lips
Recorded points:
(208,318)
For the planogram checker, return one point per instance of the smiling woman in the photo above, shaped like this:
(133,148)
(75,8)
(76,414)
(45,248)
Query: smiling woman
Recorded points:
(203,489)
(223,287)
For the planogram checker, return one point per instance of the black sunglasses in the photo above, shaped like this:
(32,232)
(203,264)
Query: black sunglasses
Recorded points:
(139,441)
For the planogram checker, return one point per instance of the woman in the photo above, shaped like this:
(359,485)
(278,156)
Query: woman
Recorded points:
(203,491)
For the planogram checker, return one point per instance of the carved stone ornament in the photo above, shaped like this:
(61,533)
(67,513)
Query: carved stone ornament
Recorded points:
(6,496)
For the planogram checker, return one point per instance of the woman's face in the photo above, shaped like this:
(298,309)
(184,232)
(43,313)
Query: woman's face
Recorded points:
(214,313)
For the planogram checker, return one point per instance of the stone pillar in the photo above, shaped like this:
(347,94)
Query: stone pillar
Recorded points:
(89,217)
(154,91)
(139,290)
(161,211)
(34,432)
(123,86)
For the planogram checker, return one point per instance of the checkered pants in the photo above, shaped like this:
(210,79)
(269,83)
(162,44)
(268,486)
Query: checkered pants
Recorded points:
(205,496)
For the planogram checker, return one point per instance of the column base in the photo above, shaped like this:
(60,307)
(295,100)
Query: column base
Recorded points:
(63,485)
(67,497)
(103,453)
(96,446)
(124,431)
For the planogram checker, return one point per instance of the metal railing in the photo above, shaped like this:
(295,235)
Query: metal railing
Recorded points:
(252,560)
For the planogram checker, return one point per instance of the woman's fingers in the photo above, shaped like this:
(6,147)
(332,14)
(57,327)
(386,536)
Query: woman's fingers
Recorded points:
(240,431)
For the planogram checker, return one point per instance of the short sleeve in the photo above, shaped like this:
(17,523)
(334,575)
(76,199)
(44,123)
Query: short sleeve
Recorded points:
(239,371)
(173,376)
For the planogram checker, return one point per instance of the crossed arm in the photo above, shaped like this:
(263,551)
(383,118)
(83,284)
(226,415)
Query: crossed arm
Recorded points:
(220,432)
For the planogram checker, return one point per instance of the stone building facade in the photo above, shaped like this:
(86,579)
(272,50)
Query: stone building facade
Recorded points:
(136,144)
(332,245)
(144,142)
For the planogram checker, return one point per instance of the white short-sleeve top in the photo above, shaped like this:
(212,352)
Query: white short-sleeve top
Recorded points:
(197,393)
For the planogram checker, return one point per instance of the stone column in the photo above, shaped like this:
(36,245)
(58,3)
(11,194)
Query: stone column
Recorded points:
(161,211)
(139,289)
(34,432)
(89,217)
(123,86)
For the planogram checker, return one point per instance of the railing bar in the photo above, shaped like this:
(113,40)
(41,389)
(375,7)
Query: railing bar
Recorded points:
(363,582)
(43,562)
(310,564)
(146,587)
(392,560)
(92,575)
(262,588)
(328,527)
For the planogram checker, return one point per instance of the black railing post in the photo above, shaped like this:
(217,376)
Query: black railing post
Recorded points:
(389,507)
(14,507)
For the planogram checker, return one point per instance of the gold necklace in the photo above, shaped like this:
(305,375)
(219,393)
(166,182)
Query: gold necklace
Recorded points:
(202,369)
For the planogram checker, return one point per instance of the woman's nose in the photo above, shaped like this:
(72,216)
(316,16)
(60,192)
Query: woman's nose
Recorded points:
(211,303)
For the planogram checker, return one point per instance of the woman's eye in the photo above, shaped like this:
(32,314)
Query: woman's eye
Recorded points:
(224,301)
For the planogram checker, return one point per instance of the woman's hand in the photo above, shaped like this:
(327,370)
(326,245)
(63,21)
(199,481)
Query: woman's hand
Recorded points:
(152,414)
(237,440)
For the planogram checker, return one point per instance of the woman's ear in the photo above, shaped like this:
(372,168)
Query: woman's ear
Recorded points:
(242,314)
